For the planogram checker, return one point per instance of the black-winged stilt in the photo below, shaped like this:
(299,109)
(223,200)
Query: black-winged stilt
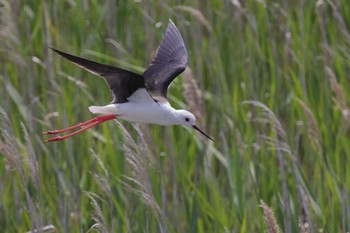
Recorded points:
(139,98)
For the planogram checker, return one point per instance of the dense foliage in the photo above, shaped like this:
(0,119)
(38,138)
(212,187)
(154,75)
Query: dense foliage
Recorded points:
(269,81)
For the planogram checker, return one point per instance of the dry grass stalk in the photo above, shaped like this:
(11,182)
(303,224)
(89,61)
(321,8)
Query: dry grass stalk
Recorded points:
(304,203)
(100,163)
(236,3)
(283,146)
(97,215)
(338,90)
(340,20)
(340,98)
(9,31)
(31,160)
(321,9)
(242,146)
(45,229)
(9,147)
(34,217)
(193,95)
(304,227)
(269,217)
(279,141)
(197,14)
(312,125)
(102,179)
(280,144)
(137,157)
(145,129)
(268,117)
(104,184)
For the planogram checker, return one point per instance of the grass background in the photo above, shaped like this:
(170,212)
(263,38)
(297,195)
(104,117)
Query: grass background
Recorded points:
(272,80)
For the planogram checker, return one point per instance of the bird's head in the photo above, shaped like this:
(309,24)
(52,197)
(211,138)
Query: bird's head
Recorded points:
(186,118)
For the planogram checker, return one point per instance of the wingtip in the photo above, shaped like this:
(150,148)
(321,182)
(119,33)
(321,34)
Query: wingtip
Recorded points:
(171,23)
(55,50)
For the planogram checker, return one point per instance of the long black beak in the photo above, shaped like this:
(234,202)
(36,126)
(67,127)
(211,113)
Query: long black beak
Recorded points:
(196,128)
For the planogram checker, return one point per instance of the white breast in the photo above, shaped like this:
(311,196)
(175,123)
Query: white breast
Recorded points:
(141,108)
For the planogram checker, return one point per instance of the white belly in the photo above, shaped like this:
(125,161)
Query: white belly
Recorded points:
(155,113)
(141,108)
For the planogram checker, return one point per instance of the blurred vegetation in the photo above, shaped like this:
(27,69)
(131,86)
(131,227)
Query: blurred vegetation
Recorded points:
(271,80)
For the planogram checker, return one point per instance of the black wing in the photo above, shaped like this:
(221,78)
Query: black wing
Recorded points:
(169,62)
(121,82)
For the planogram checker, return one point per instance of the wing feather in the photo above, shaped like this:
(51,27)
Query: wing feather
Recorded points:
(170,60)
(122,83)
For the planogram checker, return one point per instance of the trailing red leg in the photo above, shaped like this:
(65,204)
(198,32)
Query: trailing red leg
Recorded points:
(86,125)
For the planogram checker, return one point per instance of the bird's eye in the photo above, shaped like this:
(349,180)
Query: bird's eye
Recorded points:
(187,119)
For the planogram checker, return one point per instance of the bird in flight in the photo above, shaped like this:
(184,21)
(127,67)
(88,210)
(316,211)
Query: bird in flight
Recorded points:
(138,98)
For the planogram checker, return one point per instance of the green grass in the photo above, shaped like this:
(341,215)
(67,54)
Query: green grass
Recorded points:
(288,147)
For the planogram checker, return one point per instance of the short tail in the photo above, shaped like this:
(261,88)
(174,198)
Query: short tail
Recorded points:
(109,109)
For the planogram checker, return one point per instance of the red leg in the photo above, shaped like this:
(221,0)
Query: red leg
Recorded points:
(88,124)
(70,128)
